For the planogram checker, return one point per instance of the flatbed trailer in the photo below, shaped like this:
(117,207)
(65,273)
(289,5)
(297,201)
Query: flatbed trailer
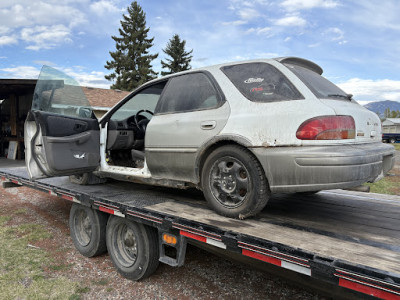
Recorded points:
(339,238)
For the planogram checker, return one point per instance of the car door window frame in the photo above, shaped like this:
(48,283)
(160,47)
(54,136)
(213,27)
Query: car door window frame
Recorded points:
(111,112)
(218,93)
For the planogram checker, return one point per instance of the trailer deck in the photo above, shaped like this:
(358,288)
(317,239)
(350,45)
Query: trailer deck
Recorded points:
(348,239)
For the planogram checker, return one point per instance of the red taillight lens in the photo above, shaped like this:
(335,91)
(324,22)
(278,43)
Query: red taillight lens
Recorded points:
(327,128)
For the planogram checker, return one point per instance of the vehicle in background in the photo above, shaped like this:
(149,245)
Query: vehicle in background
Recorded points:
(391,137)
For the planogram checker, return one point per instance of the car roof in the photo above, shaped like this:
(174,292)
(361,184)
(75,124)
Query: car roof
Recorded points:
(287,59)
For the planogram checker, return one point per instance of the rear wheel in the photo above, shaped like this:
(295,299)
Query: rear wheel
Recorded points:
(392,140)
(234,183)
(133,248)
(88,230)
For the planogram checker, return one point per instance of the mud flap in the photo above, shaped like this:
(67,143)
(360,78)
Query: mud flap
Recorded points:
(172,254)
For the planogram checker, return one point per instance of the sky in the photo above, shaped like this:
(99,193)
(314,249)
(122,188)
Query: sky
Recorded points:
(357,43)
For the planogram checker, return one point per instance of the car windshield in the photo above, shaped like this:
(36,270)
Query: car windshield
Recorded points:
(58,93)
(320,86)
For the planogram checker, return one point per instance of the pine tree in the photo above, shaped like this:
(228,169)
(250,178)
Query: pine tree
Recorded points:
(387,113)
(180,59)
(131,61)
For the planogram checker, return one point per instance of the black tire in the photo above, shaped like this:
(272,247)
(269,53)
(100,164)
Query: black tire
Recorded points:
(392,140)
(133,248)
(88,230)
(234,183)
(86,178)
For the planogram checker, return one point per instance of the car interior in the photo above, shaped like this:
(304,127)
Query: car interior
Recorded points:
(127,128)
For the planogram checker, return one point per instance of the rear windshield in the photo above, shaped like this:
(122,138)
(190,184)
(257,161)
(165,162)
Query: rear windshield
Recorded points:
(320,86)
(261,82)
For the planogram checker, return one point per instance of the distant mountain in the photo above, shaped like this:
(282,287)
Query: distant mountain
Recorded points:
(380,106)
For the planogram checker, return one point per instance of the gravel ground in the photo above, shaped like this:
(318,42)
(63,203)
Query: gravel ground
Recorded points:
(204,275)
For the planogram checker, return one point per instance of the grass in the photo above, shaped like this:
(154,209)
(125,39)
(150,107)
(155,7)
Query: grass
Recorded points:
(385,186)
(388,185)
(21,266)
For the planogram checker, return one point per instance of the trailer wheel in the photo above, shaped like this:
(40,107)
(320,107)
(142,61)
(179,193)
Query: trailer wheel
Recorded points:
(234,183)
(88,230)
(133,248)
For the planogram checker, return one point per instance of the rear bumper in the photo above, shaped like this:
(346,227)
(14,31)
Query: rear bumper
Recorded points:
(314,168)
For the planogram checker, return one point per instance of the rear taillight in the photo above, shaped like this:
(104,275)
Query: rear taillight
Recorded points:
(327,128)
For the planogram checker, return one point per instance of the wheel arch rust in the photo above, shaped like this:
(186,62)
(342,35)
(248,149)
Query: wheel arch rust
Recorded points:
(213,144)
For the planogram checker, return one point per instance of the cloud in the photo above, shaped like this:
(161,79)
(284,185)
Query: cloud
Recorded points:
(314,45)
(92,79)
(372,90)
(4,29)
(44,62)
(45,37)
(335,35)
(295,5)
(248,14)
(33,13)
(381,15)
(291,21)
(8,40)
(235,23)
(20,72)
(47,24)
(267,31)
(104,7)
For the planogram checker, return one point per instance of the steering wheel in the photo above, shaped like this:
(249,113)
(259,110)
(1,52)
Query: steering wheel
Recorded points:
(136,118)
(142,124)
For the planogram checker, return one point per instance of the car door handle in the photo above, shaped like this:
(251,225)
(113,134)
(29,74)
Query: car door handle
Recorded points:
(208,125)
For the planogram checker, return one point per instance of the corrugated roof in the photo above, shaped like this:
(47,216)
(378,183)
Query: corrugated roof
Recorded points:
(394,120)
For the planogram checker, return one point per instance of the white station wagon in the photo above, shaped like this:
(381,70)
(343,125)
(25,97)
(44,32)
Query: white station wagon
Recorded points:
(237,131)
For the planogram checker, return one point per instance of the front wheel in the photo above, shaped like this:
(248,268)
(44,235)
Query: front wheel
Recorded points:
(133,248)
(234,183)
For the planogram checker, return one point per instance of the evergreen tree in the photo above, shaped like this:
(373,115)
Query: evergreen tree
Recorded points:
(131,61)
(180,59)
(387,113)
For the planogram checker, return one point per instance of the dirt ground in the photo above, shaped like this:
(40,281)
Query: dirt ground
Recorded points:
(204,275)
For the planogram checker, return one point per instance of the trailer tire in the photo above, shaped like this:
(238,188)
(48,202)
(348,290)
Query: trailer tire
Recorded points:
(133,248)
(234,183)
(88,230)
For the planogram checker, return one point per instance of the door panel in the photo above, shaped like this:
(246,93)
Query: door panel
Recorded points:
(173,140)
(191,111)
(60,145)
